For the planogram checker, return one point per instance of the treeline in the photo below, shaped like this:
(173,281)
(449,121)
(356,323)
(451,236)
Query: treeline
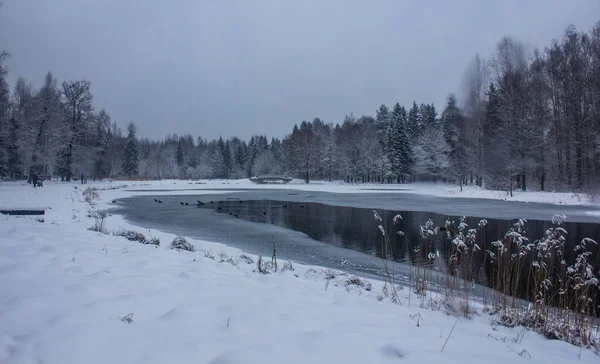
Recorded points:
(522,119)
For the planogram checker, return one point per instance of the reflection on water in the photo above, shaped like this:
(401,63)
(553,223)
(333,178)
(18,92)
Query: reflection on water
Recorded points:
(357,229)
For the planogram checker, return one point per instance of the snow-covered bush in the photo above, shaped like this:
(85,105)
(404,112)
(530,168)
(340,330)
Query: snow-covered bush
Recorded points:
(90,194)
(133,236)
(287,266)
(224,258)
(99,224)
(153,241)
(264,267)
(357,282)
(246,259)
(180,243)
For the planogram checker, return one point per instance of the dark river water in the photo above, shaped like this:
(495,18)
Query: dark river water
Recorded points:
(339,230)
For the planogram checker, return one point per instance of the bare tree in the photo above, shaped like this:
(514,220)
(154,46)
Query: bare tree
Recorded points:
(475,84)
(78,112)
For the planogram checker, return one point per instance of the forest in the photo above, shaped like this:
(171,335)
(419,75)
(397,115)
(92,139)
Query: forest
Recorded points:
(521,119)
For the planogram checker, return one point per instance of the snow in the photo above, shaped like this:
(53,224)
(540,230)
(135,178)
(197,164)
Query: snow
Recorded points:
(65,291)
(184,187)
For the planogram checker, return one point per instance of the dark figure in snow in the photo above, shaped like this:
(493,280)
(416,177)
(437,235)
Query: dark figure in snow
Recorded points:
(36,181)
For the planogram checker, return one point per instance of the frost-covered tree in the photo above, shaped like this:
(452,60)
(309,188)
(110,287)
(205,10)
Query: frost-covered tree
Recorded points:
(475,83)
(510,75)
(431,155)
(414,124)
(130,153)
(428,114)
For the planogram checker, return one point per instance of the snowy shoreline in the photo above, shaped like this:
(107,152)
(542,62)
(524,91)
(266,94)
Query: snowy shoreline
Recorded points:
(67,288)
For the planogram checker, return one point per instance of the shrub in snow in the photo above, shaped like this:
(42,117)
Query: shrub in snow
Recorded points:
(90,194)
(264,267)
(133,236)
(99,224)
(180,243)
(224,258)
(287,266)
(246,259)
(153,241)
(357,282)
(551,325)
(208,254)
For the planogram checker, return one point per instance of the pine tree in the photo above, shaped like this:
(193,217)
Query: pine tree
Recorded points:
(102,146)
(240,155)
(130,153)
(414,125)
(428,114)
(398,149)
(180,158)
(382,117)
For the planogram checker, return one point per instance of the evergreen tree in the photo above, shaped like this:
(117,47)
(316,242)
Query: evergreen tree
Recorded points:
(428,114)
(398,148)
(221,162)
(227,159)
(180,158)
(382,117)
(240,155)
(102,146)
(130,153)
(414,125)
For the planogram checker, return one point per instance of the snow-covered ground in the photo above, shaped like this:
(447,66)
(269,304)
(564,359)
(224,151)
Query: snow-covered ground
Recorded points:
(429,189)
(64,292)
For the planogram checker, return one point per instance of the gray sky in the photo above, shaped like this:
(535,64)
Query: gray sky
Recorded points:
(229,68)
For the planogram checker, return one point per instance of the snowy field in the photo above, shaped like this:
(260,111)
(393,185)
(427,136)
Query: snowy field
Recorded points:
(65,292)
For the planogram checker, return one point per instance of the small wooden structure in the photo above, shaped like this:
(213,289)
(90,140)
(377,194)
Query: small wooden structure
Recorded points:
(270,179)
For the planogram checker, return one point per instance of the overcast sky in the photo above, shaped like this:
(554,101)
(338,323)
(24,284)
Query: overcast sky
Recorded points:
(229,68)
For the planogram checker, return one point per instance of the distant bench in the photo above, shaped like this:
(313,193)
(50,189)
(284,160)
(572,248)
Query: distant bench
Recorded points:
(29,211)
(270,179)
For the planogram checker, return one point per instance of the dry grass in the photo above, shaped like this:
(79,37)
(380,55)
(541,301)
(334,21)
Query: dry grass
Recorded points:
(535,284)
